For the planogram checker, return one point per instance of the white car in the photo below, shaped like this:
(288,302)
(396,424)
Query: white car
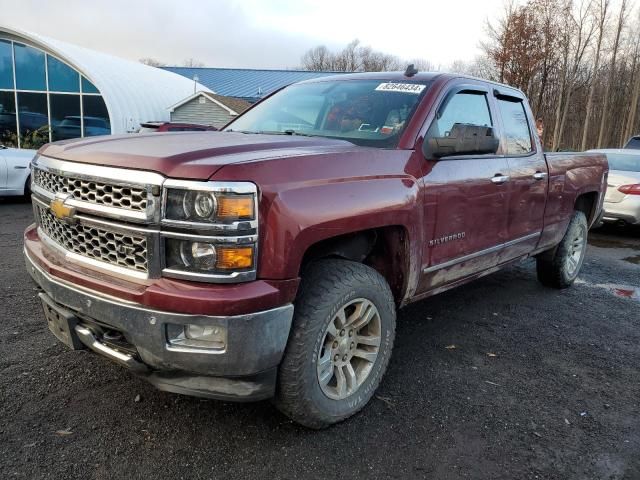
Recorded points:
(622,201)
(15,171)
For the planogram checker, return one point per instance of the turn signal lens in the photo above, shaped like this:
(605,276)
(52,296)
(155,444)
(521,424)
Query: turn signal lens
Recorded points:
(630,189)
(234,258)
(235,207)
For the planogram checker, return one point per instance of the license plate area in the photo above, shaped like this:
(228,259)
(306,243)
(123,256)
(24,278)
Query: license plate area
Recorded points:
(61,322)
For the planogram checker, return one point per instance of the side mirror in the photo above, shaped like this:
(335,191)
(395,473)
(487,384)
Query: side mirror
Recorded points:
(463,139)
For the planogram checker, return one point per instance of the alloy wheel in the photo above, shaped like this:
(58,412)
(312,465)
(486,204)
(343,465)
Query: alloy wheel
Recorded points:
(350,347)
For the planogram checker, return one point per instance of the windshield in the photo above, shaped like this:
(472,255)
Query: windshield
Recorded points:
(634,143)
(624,162)
(364,112)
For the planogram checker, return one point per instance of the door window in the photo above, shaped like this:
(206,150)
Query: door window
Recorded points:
(464,107)
(516,127)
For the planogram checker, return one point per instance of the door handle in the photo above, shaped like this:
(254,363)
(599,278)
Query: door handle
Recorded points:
(500,179)
(540,175)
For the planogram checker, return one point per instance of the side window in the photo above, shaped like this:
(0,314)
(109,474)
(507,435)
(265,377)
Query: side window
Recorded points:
(464,107)
(516,126)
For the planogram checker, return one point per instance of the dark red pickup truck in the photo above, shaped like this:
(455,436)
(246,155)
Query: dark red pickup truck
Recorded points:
(268,260)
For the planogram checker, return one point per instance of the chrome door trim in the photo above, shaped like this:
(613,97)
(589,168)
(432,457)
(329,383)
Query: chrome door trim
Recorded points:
(480,253)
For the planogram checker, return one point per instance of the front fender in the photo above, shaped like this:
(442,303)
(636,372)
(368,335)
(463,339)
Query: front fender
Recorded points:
(302,215)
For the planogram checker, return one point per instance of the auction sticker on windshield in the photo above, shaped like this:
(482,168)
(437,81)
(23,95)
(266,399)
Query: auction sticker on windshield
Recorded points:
(401,87)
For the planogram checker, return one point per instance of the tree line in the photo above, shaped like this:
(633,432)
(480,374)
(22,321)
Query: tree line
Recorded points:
(356,57)
(578,61)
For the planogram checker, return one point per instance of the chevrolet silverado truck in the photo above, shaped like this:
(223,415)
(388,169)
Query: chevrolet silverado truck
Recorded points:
(268,260)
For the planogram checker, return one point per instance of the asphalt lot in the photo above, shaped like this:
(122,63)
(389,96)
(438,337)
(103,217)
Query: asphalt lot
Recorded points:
(559,396)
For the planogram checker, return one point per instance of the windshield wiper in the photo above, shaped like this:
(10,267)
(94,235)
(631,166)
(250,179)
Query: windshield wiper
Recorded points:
(287,132)
(241,131)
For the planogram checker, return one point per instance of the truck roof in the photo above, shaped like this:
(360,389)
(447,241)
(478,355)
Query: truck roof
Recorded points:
(400,76)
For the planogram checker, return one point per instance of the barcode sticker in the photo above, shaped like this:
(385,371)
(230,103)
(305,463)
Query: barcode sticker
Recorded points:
(415,88)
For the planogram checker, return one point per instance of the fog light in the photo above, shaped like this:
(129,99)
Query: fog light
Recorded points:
(211,337)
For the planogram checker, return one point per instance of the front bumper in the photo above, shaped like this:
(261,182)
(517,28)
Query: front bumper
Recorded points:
(244,370)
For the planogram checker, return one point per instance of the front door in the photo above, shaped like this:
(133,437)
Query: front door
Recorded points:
(465,198)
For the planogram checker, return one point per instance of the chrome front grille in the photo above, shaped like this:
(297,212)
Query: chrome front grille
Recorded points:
(115,248)
(90,191)
(110,219)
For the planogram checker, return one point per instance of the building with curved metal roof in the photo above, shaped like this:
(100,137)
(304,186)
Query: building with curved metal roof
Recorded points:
(52,90)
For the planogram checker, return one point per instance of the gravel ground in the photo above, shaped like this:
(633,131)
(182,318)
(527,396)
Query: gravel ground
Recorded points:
(499,379)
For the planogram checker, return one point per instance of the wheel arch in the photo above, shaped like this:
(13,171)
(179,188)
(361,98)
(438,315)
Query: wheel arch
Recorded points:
(587,203)
(385,249)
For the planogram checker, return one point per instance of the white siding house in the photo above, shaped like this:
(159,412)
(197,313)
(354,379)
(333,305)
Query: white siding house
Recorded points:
(206,108)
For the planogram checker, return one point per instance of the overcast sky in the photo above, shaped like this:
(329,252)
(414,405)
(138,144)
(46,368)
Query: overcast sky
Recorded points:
(258,34)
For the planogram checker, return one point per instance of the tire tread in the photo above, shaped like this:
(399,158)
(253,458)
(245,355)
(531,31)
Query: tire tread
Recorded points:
(321,283)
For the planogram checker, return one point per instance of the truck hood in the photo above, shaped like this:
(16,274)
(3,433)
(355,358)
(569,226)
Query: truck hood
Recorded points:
(188,155)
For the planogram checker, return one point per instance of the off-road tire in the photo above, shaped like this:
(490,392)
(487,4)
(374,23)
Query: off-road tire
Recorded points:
(327,285)
(553,266)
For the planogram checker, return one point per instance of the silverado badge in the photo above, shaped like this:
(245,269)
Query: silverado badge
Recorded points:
(62,211)
(446,238)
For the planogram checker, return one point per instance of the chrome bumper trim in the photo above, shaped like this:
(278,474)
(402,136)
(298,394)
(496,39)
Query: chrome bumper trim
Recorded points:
(87,338)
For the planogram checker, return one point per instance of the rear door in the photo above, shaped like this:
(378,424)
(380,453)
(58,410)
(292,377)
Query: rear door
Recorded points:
(528,175)
(465,197)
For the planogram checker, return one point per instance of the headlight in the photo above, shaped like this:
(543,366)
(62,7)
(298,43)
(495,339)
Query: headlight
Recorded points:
(208,258)
(209,231)
(208,206)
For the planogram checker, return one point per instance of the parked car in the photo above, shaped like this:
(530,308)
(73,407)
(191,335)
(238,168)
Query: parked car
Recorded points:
(268,260)
(622,201)
(633,143)
(14,171)
(174,127)
(70,127)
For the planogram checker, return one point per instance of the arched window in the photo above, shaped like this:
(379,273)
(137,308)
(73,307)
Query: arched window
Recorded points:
(43,99)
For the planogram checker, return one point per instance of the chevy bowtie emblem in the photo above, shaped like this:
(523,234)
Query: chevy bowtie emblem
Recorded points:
(62,211)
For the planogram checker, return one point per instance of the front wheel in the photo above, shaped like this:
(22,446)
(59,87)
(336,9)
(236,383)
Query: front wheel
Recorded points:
(559,268)
(340,343)
(27,188)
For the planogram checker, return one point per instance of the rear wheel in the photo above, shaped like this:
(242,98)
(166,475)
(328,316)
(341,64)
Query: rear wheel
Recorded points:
(340,343)
(559,268)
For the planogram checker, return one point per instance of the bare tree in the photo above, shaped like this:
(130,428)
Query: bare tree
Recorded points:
(635,87)
(554,50)
(612,71)
(421,64)
(318,59)
(152,62)
(354,57)
(601,14)
(577,39)
(192,62)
